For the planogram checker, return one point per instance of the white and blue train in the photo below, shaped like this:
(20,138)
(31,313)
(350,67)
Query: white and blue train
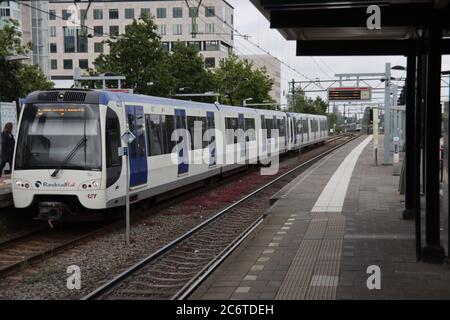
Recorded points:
(66,156)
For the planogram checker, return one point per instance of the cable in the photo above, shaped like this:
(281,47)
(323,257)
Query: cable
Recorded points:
(219,18)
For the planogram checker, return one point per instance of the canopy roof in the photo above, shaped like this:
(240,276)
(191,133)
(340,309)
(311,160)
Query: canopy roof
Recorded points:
(315,22)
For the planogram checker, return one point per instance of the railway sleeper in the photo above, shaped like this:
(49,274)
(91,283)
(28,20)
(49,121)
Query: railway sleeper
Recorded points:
(159,279)
(156,285)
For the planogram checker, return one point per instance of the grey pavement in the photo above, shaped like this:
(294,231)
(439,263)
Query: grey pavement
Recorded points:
(296,254)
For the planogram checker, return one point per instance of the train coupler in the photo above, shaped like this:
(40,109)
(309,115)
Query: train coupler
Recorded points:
(52,211)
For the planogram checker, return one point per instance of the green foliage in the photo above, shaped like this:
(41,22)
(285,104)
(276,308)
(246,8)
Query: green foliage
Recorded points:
(187,68)
(300,103)
(138,55)
(237,81)
(332,120)
(149,69)
(17,79)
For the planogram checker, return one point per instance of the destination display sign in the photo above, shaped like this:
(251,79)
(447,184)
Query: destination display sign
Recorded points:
(349,94)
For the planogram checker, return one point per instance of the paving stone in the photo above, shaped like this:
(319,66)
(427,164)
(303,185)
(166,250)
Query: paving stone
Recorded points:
(326,255)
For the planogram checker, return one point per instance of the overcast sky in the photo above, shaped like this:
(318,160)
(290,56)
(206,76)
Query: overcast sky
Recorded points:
(249,21)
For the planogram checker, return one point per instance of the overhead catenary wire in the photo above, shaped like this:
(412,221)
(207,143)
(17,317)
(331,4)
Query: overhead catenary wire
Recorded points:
(235,30)
(261,48)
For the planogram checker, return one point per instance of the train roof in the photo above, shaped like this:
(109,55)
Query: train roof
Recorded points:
(306,114)
(104,97)
(138,98)
(235,109)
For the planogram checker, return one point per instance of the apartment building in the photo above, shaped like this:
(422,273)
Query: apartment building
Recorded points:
(273,67)
(9,10)
(33,24)
(210,30)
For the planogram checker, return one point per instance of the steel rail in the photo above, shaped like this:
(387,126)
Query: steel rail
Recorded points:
(105,288)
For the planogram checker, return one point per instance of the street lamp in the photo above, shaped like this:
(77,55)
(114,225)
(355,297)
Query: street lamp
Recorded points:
(14,58)
(244,103)
(400,68)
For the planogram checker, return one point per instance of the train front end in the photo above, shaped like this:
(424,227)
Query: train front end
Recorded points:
(59,155)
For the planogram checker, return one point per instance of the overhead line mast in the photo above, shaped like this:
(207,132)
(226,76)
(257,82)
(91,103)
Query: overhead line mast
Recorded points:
(194,16)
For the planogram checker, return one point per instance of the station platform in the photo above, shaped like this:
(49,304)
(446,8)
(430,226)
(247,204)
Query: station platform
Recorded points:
(324,230)
(5,192)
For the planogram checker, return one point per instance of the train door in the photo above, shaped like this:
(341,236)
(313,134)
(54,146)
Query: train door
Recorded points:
(137,149)
(242,142)
(312,136)
(295,129)
(291,132)
(306,129)
(285,132)
(275,137)
(316,125)
(210,126)
(302,131)
(263,134)
(183,143)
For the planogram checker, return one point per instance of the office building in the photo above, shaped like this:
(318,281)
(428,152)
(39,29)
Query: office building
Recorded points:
(210,31)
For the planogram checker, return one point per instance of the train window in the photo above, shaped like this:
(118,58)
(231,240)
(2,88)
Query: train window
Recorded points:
(281,127)
(305,124)
(231,125)
(293,128)
(155,134)
(113,160)
(170,128)
(250,129)
(300,124)
(196,143)
(210,125)
(269,123)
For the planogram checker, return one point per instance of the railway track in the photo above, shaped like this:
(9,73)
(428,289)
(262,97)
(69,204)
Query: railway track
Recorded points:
(176,270)
(18,253)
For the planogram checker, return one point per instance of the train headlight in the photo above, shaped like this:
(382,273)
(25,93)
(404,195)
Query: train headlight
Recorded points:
(22,184)
(90,185)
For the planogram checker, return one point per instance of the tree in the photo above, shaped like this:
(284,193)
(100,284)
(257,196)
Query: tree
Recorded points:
(139,56)
(299,102)
(188,70)
(17,79)
(237,80)
(320,106)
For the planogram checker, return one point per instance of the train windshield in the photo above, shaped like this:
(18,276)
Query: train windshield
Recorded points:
(50,138)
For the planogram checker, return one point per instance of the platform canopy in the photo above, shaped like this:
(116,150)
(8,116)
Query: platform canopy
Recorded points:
(315,24)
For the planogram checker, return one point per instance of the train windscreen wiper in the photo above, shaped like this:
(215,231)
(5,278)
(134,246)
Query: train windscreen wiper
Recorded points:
(70,156)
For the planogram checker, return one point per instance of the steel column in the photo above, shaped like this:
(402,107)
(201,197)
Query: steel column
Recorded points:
(410,156)
(387,116)
(433,251)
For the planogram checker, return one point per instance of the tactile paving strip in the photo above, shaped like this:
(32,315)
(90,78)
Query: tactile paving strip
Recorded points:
(298,278)
(314,272)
